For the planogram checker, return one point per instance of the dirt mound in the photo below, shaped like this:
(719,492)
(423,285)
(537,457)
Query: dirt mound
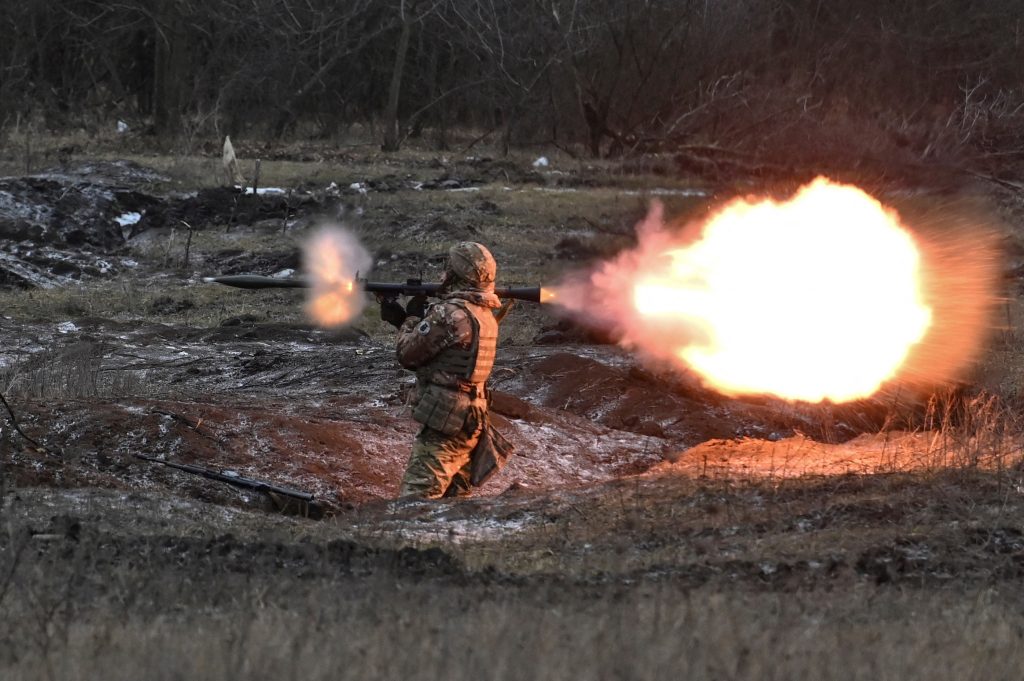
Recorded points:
(67,224)
(626,398)
(120,174)
(63,211)
(238,261)
(799,455)
(610,389)
(569,332)
(27,265)
(228,206)
(484,170)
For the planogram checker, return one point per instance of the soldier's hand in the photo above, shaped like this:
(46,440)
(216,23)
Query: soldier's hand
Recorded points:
(392,313)
(417,306)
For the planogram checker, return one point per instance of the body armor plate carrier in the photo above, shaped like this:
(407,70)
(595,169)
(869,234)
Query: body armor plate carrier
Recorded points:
(445,408)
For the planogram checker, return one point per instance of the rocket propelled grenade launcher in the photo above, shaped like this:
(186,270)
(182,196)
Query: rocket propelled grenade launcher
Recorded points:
(411,287)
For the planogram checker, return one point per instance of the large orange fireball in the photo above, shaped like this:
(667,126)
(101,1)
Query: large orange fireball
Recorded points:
(819,297)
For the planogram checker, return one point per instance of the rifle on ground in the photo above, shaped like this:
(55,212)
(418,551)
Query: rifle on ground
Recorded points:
(232,478)
(411,287)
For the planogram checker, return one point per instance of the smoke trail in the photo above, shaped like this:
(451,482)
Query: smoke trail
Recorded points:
(332,258)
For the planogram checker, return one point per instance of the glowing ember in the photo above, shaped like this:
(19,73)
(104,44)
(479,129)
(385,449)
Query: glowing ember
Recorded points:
(818,297)
(332,258)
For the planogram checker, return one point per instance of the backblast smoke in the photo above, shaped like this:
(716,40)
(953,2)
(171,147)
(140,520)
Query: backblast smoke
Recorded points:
(828,295)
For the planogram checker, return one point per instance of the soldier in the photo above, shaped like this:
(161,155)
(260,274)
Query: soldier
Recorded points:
(451,349)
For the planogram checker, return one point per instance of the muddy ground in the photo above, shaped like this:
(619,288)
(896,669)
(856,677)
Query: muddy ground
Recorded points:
(636,494)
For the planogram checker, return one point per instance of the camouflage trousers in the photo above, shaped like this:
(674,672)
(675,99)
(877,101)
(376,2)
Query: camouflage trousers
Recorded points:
(440,464)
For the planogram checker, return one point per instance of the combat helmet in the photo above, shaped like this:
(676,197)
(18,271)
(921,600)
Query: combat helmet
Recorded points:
(473,264)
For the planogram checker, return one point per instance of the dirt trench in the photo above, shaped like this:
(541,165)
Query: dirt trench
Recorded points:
(325,412)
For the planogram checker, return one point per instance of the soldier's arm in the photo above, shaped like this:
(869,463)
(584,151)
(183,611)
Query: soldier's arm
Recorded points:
(420,340)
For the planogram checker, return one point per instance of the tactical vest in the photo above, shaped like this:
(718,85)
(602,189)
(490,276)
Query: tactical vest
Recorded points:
(472,364)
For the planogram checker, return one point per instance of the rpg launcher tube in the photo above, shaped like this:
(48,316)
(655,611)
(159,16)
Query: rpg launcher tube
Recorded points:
(412,287)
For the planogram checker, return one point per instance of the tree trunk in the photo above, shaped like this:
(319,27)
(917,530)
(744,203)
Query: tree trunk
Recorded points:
(420,121)
(392,131)
(170,70)
(510,123)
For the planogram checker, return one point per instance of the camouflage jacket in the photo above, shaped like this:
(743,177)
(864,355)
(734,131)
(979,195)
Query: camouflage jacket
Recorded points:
(454,344)
(452,352)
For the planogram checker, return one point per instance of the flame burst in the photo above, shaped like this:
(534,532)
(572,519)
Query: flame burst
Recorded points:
(819,297)
(332,259)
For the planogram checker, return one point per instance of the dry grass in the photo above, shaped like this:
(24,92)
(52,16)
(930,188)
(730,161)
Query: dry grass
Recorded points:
(455,633)
(668,575)
(679,579)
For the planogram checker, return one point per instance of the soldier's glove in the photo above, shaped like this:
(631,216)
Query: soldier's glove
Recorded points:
(417,306)
(392,313)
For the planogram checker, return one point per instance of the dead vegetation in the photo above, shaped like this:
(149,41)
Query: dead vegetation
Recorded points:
(791,542)
(902,576)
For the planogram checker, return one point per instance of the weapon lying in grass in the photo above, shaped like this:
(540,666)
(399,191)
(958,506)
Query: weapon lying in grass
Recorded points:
(411,287)
(232,478)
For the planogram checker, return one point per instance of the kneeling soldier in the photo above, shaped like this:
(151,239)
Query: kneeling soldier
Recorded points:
(452,351)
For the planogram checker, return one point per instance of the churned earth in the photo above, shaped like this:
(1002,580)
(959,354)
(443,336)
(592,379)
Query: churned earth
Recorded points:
(647,526)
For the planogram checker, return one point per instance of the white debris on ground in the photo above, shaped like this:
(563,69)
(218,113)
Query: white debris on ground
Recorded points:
(67,327)
(126,219)
(359,187)
(122,127)
(266,190)
(541,162)
(455,531)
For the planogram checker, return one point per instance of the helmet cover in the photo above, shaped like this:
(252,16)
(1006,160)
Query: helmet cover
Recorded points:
(473,263)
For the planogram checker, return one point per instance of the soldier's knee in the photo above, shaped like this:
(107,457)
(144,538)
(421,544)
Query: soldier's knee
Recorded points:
(424,476)
(418,491)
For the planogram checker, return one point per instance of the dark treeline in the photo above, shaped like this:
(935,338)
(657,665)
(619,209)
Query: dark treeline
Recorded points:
(599,77)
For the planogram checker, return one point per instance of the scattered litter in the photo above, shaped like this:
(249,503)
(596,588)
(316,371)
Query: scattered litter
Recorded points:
(126,219)
(260,191)
(541,162)
(359,187)
(67,327)
(122,127)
